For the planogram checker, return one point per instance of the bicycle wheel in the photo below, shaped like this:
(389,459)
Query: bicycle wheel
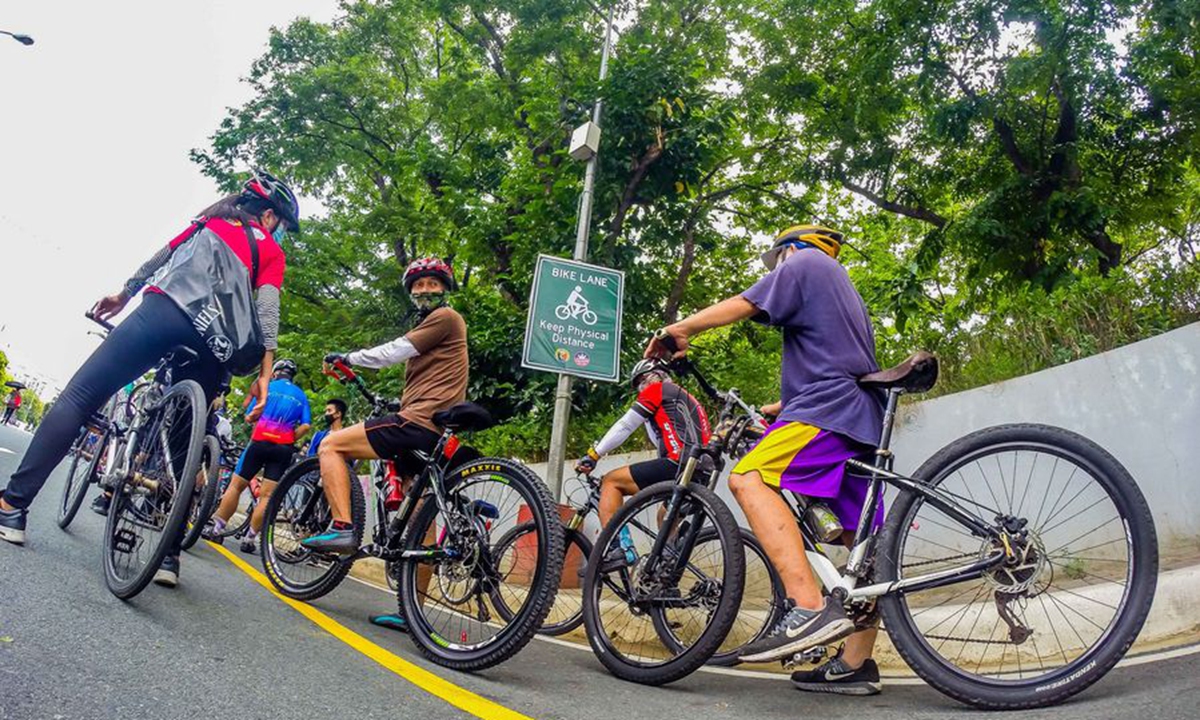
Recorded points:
(204,496)
(449,598)
(150,506)
(86,455)
(1056,616)
(298,510)
(567,612)
(762,599)
(619,603)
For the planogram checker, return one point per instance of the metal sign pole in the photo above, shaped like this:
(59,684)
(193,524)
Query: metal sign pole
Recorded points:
(562,395)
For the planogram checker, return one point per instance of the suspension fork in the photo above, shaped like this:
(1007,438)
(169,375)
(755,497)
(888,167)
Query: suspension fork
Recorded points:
(668,522)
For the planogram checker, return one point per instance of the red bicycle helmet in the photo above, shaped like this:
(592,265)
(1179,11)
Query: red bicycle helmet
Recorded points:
(428,267)
(266,186)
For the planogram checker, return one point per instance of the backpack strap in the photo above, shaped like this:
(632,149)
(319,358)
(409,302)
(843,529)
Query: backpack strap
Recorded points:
(253,241)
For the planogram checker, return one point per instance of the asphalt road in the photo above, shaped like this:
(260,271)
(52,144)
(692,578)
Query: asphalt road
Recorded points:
(223,646)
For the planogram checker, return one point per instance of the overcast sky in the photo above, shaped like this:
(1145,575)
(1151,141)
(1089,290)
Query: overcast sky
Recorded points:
(96,121)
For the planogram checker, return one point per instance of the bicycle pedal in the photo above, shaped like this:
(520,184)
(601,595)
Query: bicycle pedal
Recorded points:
(810,656)
(125,541)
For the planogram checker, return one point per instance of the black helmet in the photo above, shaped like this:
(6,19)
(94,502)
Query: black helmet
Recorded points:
(285,367)
(265,186)
(823,238)
(644,367)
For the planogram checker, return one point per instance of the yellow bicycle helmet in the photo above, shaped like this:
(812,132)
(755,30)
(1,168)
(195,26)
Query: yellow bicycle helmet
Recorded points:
(823,238)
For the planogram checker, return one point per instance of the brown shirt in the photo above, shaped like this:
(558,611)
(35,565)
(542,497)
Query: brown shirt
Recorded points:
(436,379)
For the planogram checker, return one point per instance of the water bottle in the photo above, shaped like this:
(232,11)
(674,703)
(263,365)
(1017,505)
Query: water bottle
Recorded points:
(626,541)
(395,488)
(823,522)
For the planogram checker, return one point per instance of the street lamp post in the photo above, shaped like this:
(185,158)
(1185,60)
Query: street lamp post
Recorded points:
(562,395)
(23,39)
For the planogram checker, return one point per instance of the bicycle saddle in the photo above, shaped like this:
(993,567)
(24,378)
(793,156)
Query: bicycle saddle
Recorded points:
(464,416)
(917,374)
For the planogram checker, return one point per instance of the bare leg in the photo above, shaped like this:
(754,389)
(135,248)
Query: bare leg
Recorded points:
(264,494)
(336,449)
(614,488)
(775,527)
(861,645)
(229,500)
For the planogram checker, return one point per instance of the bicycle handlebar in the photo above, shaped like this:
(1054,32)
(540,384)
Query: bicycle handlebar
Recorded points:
(102,323)
(341,372)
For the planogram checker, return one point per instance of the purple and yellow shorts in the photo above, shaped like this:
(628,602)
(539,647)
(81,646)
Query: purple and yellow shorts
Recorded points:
(810,461)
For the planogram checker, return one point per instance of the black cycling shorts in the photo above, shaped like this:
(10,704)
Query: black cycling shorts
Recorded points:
(649,472)
(392,437)
(271,459)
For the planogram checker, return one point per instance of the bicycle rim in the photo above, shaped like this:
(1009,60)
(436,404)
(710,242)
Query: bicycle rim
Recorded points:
(454,616)
(1050,619)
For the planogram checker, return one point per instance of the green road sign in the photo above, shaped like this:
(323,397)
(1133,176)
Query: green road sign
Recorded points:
(574,324)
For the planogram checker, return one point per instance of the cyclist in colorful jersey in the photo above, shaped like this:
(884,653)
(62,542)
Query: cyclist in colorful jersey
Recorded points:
(259,213)
(675,422)
(283,418)
(825,419)
(673,419)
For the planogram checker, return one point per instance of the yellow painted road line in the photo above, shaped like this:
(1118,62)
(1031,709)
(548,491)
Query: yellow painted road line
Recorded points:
(459,697)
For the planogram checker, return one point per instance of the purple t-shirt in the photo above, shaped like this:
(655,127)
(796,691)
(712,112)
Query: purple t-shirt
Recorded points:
(827,345)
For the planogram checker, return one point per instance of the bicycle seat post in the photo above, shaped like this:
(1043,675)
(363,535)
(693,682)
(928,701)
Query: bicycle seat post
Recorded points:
(884,452)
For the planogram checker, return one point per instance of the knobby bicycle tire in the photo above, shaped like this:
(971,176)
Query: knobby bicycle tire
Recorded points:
(276,568)
(543,585)
(722,618)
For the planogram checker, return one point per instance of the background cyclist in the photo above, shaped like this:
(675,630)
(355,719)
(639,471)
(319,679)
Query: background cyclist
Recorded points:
(826,419)
(263,209)
(675,422)
(281,420)
(334,417)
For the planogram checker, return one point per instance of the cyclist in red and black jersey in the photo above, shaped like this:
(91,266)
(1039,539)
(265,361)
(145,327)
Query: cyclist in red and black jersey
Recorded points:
(675,422)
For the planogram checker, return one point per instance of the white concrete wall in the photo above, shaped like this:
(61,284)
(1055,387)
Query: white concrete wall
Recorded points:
(1141,402)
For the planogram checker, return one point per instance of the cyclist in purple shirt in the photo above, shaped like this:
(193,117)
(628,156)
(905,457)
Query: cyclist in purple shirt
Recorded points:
(824,419)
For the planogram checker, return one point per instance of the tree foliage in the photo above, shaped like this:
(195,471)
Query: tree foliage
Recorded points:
(1004,170)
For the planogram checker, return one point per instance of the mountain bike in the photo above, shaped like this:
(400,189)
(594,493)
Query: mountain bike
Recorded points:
(672,606)
(150,467)
(439,540)
(762,599)
(1015,567)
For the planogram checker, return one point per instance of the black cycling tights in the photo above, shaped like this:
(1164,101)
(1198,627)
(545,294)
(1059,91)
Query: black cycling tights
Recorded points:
(135,346)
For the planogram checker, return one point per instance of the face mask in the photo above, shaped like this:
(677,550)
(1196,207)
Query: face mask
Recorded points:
(428,302)
(329,419)
(278,233)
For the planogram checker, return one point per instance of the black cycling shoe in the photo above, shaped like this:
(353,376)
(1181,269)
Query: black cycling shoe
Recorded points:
(168,572)
(614,560)
(12,526)
(248,545)
(798,631)
(101,503)
(337,542)
(835,676)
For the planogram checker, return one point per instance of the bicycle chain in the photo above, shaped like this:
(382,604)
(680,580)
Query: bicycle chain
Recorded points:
(941,560)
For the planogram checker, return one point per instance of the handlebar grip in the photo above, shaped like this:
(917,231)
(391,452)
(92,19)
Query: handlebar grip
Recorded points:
(665,339)
(102,323)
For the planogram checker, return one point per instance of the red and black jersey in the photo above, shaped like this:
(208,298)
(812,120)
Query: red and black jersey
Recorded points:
(677,420)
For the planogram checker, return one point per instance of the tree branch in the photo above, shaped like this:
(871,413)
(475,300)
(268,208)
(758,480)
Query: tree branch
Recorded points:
(917,213)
